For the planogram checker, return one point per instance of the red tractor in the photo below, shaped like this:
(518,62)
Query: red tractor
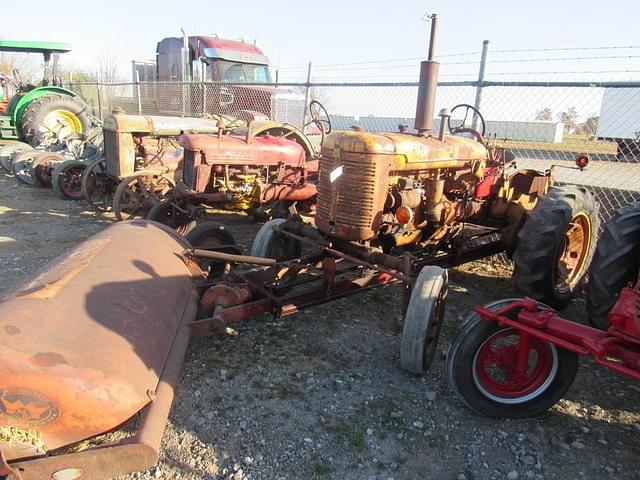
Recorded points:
(267,169)
(516,358)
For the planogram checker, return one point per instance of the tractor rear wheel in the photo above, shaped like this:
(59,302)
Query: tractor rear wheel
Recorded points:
(54,117)
(615,263)
(556,245)
(423,320)
(482,369)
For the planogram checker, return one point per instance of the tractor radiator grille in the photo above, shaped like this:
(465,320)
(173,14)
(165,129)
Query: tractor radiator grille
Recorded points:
(188,168)
(350,208)
(111,152)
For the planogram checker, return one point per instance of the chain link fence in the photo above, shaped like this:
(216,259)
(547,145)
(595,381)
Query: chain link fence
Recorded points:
(543,124)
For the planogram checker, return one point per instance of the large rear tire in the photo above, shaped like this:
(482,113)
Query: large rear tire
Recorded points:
(54,117)
(481,368)
(556,245)
(615,263)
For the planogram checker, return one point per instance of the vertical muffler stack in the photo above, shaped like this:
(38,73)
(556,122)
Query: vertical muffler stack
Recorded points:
(96,337)
(427,84)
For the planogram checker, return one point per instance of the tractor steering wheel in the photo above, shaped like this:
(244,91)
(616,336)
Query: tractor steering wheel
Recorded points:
(462,127)
(319,116)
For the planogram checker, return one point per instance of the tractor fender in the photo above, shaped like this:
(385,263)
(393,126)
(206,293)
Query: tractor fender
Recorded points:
(276,129)
(24,100)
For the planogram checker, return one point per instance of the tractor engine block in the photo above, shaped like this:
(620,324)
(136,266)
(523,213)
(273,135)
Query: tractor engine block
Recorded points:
(399,188)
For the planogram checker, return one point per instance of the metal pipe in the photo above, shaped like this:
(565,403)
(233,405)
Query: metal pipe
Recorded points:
(228,257)
(478,100)
(427,85)
(432,37)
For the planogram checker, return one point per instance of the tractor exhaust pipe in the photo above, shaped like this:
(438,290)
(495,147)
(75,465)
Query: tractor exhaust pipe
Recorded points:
(427,84)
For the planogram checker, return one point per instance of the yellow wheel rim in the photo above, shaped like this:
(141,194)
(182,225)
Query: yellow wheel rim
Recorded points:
(61,123)
(575,252)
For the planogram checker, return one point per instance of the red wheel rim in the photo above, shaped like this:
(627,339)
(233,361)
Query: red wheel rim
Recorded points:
(495,369)
(43,172)
(71,182)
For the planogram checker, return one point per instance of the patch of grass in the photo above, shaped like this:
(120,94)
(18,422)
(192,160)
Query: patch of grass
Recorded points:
(570,143)
(356,438)
(320,469)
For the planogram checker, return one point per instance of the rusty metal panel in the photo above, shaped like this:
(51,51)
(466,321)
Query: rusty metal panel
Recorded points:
(83,344)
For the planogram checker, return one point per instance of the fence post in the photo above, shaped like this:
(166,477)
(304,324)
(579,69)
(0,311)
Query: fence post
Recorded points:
(483,63)
(99,104)
(306,96)
(204,97)
(138,92)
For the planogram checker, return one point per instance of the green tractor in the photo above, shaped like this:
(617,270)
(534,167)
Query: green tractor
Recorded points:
(46,114)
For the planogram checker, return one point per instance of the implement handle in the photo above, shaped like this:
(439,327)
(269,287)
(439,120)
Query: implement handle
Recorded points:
(229,257)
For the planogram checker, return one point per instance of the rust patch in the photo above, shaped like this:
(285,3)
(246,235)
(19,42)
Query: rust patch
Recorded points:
(48,359)
(23,406)
(12,330)
(49,283)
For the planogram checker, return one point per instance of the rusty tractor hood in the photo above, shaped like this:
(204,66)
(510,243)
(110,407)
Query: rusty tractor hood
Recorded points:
(410,152)
(245,150)
(158,125)
(83,344)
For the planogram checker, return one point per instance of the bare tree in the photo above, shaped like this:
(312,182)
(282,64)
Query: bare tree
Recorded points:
(569,118)
(24,64)
(108,68)
(545,114)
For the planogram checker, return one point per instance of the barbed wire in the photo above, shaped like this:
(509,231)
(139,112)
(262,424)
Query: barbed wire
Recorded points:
(368,64)
(565,49)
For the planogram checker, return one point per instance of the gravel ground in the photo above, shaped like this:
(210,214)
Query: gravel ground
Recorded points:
(321,395)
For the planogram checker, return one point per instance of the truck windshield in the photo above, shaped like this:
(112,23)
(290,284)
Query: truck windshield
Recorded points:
(233,72)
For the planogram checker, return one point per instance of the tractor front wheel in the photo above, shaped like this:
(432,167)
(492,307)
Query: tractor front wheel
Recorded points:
(270,244)
(21,166)
(7,151)
(555,245)
(170,213)
(423,320)
(215,237)
(42,168)
(97,187)
(66,179)
(492,377)
(137,194)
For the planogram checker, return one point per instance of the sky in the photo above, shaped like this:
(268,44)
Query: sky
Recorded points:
(330,31)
